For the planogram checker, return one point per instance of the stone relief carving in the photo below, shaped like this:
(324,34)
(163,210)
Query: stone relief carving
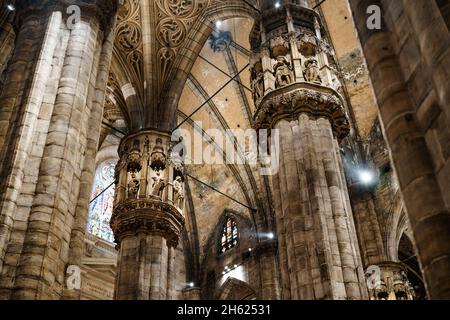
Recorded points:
(145,194)
(299,100)
(129,36)
(175,18)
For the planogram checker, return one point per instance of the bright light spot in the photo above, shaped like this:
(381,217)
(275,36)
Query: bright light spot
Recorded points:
(271,236)
(238,273)
(366,177)
(250,250)
(11,7)
(218,24)
(277,5)
(191,285)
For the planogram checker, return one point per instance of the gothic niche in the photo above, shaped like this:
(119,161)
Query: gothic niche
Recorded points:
(158,158)
(282,72)
(134,158)
(279,46)
(307,45)
(220,41)
(149,176)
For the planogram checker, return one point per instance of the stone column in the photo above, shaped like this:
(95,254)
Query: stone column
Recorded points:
(18,118)
(433,36)
(47,128)
(266,253)
(424,200)
(192,294)
(386,277)
(94,121)
(320,257)
(146,224)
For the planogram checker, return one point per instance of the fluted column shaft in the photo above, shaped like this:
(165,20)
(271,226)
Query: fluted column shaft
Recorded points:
(18,115)
(93,119)
(311,214)
(53,91)
(52,214)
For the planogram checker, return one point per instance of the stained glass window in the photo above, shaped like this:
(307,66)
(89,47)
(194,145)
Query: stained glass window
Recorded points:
(229,235)
(101,208)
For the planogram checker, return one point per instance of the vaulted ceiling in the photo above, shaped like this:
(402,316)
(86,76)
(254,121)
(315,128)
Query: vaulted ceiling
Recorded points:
(141,80)
(171,58)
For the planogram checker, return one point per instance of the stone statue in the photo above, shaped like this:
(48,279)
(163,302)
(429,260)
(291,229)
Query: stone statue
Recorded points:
(178,193)
(312,71)
(283,73)
(257,85)
(158,186)
(133,187)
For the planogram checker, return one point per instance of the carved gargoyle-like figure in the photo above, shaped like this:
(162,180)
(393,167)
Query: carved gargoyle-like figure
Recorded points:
(133,187)
(283,72)
(312,73)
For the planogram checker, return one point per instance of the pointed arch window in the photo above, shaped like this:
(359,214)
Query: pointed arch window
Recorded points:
(229,237)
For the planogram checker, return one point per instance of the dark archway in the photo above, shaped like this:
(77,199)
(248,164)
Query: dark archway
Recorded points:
(408,256)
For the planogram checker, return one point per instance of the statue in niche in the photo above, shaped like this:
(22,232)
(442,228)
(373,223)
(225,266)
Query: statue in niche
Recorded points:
(178,192)
(158,186)
(283,72)
(312,73)
(133,187)
(257,85)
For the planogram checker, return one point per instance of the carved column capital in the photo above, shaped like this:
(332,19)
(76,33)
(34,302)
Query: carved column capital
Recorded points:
(148,216)
(103,10)
(303,98)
